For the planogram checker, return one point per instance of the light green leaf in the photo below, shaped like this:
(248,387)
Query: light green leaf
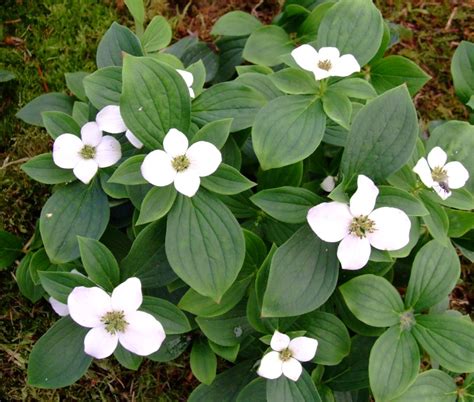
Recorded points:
(215,132)
(42,168)
(308,284)
(137,9)
(50,102)
(401,199)
(462,67)
(430,386)
(156,204)
(357,88)
(300,115)
(25,282)
(127,359)
(283,389)
(203,361)
(294,81)
(393,364)
(157,35)
(236,23)
(337,107)
(60,284)
(437,221)
(10,248)
(104,86)
(174,321)
(373,300)
(227,180)
(129,172)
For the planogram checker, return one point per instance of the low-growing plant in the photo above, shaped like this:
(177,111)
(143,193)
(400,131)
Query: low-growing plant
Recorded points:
(273,203)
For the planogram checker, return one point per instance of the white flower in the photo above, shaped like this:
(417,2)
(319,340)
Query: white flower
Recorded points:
(358,226)
(115,319)
(179,164)
(286,356)
(439,175)
(325,63)
(58,307)
(110,120)
(188,79)
(328,184)
(86,154)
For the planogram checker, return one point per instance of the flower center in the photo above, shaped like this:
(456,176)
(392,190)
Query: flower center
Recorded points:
(407,320)
(361,225)
(180,163)
(439,174)
(285,355)
(87,152)
(114,322)
(324,65)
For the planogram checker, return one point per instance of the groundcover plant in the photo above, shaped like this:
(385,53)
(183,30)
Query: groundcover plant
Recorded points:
(188,211)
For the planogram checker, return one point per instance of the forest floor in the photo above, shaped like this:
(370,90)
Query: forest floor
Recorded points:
(40,41)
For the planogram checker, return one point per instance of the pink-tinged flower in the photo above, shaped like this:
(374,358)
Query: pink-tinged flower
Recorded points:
(286,356)
(115,319)
(87,154)
(180,163)
(435,173)
(325,63)
(58,307)
(358,226)
(110,120)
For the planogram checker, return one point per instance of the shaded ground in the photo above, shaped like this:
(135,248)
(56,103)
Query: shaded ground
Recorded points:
(40,42)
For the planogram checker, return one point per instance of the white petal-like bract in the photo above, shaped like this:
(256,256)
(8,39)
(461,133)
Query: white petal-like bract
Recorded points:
(279,341)
(292,369)
(144,333)
(345,66)
(157,169)
(437,158)
(353,252)
(99,343)
(108,152)
(66,151)
(422,169)
(303,348)
(187,182)
(91,134)
(392,229)
(85,170)
(88,305)
(457,174)
(328,184)
(204,157)
(128,295)
(270,366)
(306,57)
(110,120)
(330,220)
(133,139)
(363,200)
(175,143)
(58,307)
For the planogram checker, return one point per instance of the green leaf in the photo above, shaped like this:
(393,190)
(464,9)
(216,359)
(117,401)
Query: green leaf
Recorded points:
(434,274)
(116,41)
(382,137)
(57,123)
(226,352)
(127,359)
(80,113)
(448,340)
(262,83)
(462,67)
(203,362)
(294,81)
(401,199)
(43,169)
(308,30)
(198,70)
(228,100)
(171,348)
(255,391)
(147,259)
(204,244)
(99,263)
(460,222)
(226,386)
(129,172)
(283,389)
(357,88)
(137,9)
(236,23)
(354,27)
(393,71)
(10,248)
(432,385)
(286,204)
(230,56)
(73,210)
(337,107)
(373,300)
(74,82)
(227,180)
(40,262)
(228,329)
(332,335)
(171,317)
(311,281)
(456,138)
(154,99)
(51,102)
(157,35)
(104,86)
(58,358)
(393,364)
(6,76)
(156,204)
(60,284)
(437,221)
(204,306)
(215,132)
(298,114)
(267,45)
(291,175)
(25,282)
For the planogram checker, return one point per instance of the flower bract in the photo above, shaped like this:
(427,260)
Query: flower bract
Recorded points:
(435,173)
(180,163)
(87,154)
(115,319)
(358,226)
(286,356)
(110,120)
(58,307)
(327,62)
(188,79)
